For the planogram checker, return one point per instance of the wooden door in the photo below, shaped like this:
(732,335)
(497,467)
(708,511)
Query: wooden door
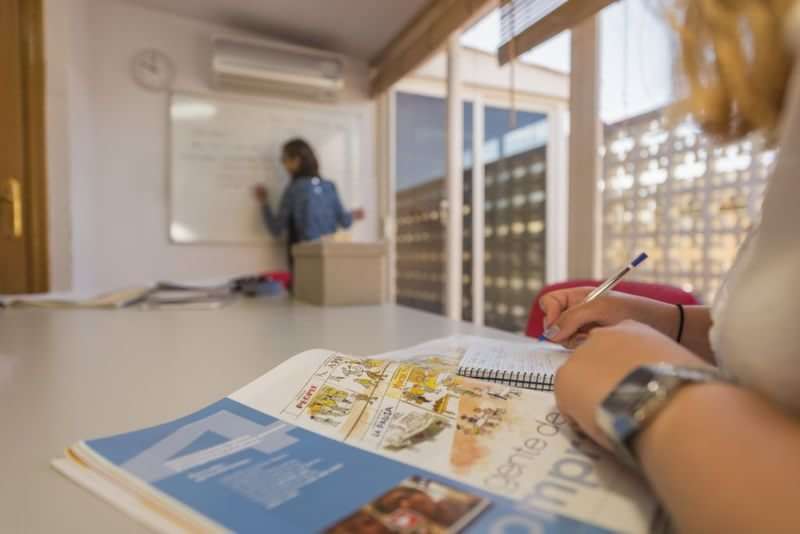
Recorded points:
(23,262)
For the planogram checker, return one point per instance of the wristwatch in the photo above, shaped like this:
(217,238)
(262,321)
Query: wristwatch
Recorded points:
(639,397)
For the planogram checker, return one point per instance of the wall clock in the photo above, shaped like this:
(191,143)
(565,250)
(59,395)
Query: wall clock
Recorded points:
(153,70)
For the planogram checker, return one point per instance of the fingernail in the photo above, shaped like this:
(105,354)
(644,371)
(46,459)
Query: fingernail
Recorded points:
(551,332)
(541,305)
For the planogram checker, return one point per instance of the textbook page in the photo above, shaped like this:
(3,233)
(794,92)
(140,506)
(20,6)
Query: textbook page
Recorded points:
(411,406)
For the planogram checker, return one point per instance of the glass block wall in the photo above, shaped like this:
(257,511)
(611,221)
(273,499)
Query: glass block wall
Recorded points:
(514,237)
(466,255)
(420,197)
(514,250)
(421,246)
(670,191)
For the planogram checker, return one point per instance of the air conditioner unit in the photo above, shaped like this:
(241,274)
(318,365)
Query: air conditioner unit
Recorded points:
(275,68)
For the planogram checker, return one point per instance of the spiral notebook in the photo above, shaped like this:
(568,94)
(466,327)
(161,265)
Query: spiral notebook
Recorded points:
(522,365)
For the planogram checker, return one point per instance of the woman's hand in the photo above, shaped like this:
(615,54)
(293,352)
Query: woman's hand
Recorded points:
(357,214)
(603,360)
(261,194)
(567,320)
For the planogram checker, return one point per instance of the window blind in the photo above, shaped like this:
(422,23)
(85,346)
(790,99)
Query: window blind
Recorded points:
(525,24)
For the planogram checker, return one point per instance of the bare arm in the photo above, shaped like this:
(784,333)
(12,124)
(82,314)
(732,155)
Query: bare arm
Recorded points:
(722,459)
(565,310)
(697,323)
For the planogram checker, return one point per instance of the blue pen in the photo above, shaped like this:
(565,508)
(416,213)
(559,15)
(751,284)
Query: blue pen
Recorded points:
(603,288)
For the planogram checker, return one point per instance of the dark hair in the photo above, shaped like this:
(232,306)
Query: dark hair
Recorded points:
(298,148)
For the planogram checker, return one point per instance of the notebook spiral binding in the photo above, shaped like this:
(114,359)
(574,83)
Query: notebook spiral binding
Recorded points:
(535,381)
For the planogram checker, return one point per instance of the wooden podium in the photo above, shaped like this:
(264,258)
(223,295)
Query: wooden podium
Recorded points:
(331,273)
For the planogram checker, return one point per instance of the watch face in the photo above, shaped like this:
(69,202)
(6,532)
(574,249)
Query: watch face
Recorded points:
(633,391)
(618,414)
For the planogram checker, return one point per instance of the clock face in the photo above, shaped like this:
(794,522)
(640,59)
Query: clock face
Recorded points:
(153,70)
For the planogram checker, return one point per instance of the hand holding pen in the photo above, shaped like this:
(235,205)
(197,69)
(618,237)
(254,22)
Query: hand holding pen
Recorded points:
(568,315)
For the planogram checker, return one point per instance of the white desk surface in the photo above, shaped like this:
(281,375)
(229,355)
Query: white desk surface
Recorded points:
(79,374)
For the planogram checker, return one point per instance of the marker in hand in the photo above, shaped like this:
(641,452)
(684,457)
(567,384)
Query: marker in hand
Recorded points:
(600,290)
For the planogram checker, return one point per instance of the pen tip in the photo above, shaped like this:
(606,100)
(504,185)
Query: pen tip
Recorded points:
(543,338)
(639,259)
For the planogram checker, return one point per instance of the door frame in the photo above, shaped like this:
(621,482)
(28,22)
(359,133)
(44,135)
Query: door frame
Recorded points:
(31,34)
(556,216)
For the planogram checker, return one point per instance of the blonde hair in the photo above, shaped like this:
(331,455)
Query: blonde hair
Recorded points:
(735,62)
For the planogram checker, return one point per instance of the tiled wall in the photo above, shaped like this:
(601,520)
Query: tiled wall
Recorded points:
(688,202)
(514,241)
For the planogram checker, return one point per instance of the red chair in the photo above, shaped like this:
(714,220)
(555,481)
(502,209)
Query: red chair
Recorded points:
(662,292)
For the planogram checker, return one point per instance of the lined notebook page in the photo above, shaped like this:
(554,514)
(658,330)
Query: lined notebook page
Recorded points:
(526,365)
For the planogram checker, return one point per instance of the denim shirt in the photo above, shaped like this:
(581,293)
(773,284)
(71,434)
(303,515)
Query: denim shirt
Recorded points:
(309,205)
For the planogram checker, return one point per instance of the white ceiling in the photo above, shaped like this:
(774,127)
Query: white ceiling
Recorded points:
(358,28)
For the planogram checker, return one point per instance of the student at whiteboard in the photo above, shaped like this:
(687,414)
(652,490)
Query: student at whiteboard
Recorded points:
(310,207)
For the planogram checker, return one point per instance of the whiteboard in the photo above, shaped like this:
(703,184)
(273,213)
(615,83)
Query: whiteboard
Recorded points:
(221,148)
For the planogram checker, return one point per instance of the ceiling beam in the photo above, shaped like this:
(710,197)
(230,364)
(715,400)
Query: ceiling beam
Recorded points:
(564,17)
(427,33)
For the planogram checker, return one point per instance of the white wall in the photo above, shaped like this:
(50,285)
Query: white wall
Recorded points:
(107,149)
(67,133)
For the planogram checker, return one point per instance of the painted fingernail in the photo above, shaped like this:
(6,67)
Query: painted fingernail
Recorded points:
(551,332)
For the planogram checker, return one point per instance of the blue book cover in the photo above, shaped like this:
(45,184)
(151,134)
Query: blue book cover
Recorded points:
(250,472)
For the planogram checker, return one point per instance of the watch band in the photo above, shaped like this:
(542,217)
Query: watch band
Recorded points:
(639,397)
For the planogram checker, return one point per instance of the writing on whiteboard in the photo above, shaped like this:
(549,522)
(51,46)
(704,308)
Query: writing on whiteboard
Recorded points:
(221,148)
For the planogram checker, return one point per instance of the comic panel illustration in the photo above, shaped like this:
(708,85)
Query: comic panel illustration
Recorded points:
(359,375)
(444,421)
(430,388)
(489,417)
(340,397)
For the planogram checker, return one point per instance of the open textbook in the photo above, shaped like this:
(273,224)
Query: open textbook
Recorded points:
(328,442)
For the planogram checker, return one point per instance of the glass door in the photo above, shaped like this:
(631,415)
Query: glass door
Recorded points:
(514,162)
(420,198)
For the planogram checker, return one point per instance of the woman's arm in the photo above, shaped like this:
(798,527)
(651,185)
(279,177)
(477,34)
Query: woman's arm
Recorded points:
(572,319)
(696,324)
(277,223)
(720,458)
(723,459)
(343,217)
